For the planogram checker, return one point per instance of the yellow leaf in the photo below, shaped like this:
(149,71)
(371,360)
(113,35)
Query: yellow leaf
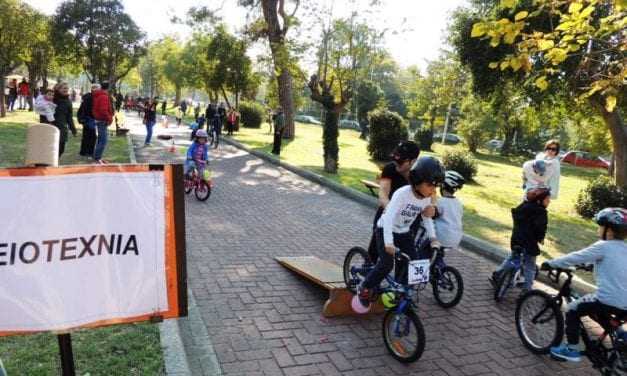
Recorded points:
(504,65)
(544,44)
(610,103)
(541,83)
(510,36)
(516,64)
(495,41)
(557,55)
(573,47)
(478,30)
(564,26)
(587,12)
(493,65)
(508,3)
(575,7)
(521,15)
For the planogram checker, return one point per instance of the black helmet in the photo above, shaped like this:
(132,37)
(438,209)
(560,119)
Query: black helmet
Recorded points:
(405,151)
(453,181)
(614,218)
(426,169)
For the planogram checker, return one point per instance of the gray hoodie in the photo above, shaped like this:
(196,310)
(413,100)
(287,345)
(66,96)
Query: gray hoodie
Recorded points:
(610,269)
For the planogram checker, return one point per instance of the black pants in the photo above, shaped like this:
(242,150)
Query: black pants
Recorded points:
(385,261)
(373,253)
(587,305)
(276,146)
(88,140)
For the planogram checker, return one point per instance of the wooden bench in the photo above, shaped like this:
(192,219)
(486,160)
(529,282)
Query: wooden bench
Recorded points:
(371,185)
(328,276)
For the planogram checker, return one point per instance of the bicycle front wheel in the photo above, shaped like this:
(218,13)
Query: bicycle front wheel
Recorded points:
(403,335)
(203,191)
(503,283)
(539,321)
(448,287)
(355,258)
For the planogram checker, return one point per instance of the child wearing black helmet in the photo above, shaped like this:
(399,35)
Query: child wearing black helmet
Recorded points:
(448,223)
(393,176)
(530,224)
(394,227)
(609,256)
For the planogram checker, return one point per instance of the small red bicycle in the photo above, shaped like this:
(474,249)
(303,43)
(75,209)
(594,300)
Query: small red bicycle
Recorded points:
(201,185)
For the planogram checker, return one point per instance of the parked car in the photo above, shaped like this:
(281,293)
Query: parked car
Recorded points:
(584,159)
(450,138)
(350,124)
(307,119)
(494,144)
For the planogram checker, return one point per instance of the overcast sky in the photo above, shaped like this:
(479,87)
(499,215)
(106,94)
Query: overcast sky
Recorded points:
(426,21)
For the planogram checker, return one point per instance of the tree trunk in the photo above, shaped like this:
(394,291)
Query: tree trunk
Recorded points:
(32,85)
(617,128)
(330,134)
(177,97)
(3,84)
(225,96)
(281,57)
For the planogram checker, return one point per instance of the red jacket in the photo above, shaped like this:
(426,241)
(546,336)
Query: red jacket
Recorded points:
(102,109)
(23,88)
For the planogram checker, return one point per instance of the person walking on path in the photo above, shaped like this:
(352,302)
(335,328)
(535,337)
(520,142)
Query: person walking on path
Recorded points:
(196,112)
(12,95)
(23,90)
(279,124)
(86,118)
(103,116)
(164,106)
(150,119)
(63,116)
(119,99)
(183,107)
(231,119)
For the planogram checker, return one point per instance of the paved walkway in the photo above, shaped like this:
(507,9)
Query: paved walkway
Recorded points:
(264,320)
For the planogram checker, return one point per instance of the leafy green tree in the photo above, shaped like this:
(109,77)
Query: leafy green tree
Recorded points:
(368,97)
(99,35)
(477,122)
(16,25)
(571,47)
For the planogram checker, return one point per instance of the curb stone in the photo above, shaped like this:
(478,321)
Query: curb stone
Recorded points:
(470,243)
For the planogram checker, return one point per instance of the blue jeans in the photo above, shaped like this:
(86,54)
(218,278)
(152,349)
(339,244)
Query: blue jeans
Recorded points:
(529,265)
(149,126)
(101,143)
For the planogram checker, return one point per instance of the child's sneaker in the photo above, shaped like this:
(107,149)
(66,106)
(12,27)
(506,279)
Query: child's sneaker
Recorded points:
(364,296)
(564,352)
(493,278)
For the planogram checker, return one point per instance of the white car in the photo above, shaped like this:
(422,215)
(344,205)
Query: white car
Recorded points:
(350,124)
(494,144)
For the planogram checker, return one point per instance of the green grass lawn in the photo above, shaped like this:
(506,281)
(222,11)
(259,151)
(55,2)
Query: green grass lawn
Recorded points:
(487,202)
(117,350)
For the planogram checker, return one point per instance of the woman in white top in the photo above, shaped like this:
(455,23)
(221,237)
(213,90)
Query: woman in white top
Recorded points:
(553,168)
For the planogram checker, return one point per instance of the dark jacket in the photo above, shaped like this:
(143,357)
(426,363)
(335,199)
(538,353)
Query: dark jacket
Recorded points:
(85,110)
(102,108)
(530,223)
(63,117)
(150,115)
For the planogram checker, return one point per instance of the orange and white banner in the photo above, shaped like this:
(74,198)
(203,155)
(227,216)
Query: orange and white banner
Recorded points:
(90,246)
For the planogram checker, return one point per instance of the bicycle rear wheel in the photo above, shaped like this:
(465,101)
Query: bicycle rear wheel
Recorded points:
(403,335)
(202,191)
(539,321)
(448,287)
(503,283)
(355,259)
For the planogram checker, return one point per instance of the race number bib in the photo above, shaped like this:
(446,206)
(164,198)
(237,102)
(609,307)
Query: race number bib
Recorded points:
(418,272)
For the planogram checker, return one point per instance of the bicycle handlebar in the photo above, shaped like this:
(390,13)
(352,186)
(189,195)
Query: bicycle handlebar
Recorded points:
(555,273)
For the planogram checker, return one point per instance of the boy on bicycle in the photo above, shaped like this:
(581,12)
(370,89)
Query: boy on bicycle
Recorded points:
(198,154)
(609,256)
(394,227)
(530,224)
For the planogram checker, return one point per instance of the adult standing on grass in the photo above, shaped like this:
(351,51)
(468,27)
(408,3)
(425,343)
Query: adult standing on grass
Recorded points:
(12,95)
(552,160)
(393,176)
(278,119)
(23,90)
(196,112)
(63,116)
(86,118)
(103,116)
(150,119)
(184,107)
(544,171)
(164,105)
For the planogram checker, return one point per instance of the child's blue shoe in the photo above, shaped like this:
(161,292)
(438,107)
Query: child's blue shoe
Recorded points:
(564,352)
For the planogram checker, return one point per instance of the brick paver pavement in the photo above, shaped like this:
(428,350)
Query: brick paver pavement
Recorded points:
(265,320)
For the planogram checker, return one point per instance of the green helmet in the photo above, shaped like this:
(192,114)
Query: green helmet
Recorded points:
(389,300)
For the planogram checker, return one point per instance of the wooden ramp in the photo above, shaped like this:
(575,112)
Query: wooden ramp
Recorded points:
(328,276)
